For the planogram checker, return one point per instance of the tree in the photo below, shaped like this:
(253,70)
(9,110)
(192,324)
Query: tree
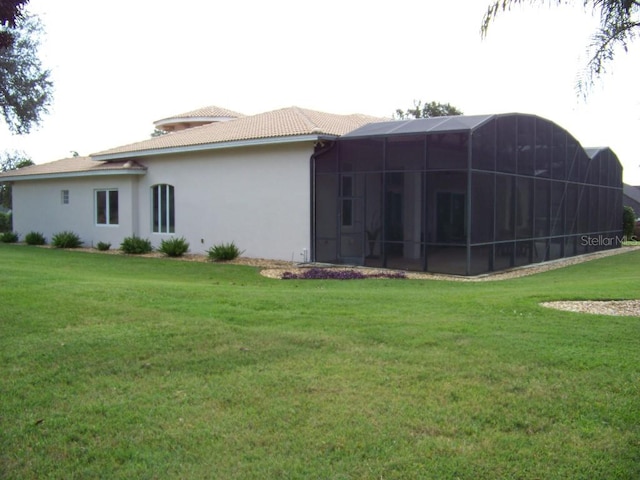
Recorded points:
(619,25)
(25,87)
(11,161)
(428,110)
(628,222)
(10,13)
(157,133)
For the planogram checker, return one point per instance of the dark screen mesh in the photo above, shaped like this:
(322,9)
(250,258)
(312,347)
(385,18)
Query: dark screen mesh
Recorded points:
(498,192)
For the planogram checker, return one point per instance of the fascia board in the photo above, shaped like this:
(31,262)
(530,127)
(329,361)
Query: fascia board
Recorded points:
(49,176)
(210,146)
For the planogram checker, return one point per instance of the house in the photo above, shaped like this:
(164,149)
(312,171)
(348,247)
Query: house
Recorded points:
(218,176)
(462,195)
(632,198)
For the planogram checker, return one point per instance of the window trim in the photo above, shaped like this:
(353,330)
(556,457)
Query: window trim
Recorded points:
(108,214)
(163,213)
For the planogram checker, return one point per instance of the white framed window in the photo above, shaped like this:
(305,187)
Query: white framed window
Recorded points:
(106,202)
(64,197)
(163,213)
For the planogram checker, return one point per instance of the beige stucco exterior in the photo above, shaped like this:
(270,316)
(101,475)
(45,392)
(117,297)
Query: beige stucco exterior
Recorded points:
(37,206)
(256,196)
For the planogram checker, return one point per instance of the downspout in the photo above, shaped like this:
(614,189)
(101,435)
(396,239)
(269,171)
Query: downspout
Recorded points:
(324,147)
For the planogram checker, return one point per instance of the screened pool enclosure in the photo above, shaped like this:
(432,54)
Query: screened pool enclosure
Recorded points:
(463,195)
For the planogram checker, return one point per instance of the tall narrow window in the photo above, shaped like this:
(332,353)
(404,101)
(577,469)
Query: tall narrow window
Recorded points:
(347,201)
(64,197)
(163,209)
(107,207)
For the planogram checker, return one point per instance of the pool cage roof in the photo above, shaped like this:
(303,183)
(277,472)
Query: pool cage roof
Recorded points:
(451,124)
(458,123)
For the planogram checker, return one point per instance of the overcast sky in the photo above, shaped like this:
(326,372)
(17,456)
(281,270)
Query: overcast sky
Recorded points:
(119,65)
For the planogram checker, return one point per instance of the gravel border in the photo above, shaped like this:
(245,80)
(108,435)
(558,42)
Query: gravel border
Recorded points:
(630,308)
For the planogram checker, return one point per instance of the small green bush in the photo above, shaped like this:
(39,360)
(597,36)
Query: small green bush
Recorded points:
(9,237)
(135,245)
(103,246)
(35,238)
(66,239)
(5,222)
(224,252)
(174,247)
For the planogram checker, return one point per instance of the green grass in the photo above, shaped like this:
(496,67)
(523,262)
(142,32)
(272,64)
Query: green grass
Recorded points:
(122,367)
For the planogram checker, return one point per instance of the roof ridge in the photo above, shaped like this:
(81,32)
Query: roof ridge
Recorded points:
(313,126)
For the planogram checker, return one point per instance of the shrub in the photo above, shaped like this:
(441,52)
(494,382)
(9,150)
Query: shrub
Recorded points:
(103,246)
(9,237)
(66,239)
(174,247)
(628,222)
(5,222)
(329,274)
(35,238)
(224,252)
(135,245)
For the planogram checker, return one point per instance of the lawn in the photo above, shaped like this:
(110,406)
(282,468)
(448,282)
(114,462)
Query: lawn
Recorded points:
(124,367)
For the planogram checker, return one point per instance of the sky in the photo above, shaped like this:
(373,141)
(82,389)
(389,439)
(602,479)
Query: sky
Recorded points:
(117,66)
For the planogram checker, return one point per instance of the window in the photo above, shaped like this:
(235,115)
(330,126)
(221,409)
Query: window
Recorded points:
(347,201)
(163,209)
(107,207)
(64,197)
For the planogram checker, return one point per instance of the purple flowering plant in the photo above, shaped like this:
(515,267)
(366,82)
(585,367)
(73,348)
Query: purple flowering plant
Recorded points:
(331,274)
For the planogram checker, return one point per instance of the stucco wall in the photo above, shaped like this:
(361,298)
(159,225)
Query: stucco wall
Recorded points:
(37,206)
(257,197)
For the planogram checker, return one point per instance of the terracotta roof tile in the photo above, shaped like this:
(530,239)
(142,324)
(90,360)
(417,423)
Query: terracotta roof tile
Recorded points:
(210,111)
(286,122)
(70,165)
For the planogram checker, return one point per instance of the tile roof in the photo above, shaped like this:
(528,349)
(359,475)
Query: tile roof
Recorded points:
(74,165)
(210,111)
(286,122)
